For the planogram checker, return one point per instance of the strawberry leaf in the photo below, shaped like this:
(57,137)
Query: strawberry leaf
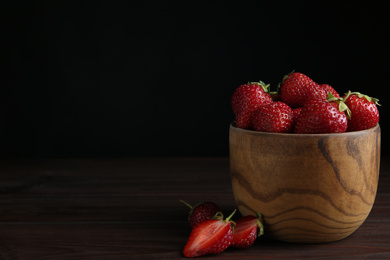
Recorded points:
(266,87)
(368,98)
(283,79)
(331,97)
(340,101)
(344,108)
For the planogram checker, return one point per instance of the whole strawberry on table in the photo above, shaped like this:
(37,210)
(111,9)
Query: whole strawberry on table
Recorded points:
(302,106)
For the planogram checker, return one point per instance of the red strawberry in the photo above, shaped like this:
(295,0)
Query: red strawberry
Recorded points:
(364,111)
(295,88)
(296,112)
(201,212)
(276,117)
(321,91)
(322,116)
(245,231)
(243,120)
(246,98)
(275,96)
(329,88)
(210,237)
(316,92)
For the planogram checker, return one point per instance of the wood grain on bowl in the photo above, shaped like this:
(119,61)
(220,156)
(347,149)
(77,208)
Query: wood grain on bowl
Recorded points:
(309,188)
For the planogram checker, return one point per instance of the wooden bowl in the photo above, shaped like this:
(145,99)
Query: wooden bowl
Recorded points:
(310,188)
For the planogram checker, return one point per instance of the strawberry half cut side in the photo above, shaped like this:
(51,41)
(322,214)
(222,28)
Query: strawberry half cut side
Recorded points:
(246,231)
(210,237)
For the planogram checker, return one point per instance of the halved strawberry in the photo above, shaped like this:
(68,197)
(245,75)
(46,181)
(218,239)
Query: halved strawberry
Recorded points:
(201,212)
(210,237)
(245,231)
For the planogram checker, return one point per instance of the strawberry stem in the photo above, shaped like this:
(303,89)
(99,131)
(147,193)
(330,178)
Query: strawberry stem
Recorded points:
(260,224)
(231,215)
(185,203)
(218,216)
(347,95)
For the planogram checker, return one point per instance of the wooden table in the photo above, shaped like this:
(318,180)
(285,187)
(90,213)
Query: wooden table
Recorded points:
(130,209)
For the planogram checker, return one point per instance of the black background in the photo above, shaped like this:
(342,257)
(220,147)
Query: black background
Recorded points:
(155,78)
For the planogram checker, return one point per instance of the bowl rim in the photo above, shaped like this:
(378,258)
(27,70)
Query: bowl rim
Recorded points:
(360,132)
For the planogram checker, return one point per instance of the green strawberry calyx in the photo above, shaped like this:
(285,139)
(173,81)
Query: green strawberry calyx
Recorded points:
(340,101)
(360,95)
(266,87)
(218,216)
(283,79)
(228,220)
(231,215)
(259,222)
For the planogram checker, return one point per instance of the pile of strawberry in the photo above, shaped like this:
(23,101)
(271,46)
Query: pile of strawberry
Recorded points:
(302,106)
(211,234)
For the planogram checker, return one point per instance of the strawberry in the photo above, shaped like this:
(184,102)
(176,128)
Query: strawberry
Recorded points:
(246,98)
(296,112)
(364,111)
(245,231)
(329,88)
(201,212)
(323,116)
(243,120)
(295,88)
(210,237)
(275,96)
(275,117)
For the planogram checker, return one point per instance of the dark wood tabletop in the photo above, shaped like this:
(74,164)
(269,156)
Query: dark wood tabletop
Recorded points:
(130,209)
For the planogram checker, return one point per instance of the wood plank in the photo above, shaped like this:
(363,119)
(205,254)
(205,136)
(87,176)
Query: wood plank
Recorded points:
(153,239)
(130,209)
